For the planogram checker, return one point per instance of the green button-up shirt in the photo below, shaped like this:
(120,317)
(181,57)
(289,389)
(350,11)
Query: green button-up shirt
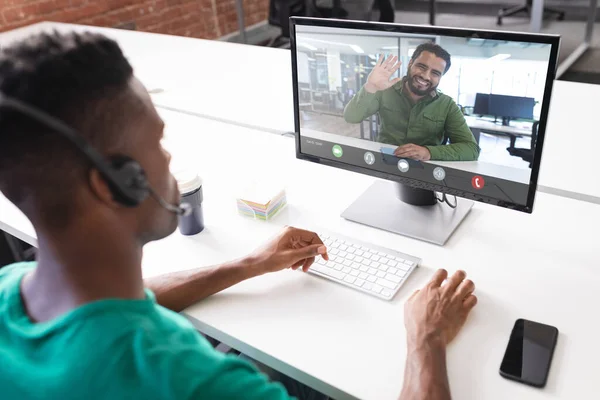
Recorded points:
(426,123)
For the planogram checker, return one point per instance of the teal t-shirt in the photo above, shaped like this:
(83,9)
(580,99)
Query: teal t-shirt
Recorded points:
(115,349)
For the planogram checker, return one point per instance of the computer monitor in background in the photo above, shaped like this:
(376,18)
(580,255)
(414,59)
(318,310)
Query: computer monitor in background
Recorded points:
(482,104)
(413,132)
(510,107)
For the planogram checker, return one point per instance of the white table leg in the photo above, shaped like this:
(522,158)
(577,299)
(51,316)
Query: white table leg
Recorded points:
(537,16)
(587,41)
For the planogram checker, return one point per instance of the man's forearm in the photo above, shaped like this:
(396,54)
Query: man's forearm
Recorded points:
(179,290)
(425,377)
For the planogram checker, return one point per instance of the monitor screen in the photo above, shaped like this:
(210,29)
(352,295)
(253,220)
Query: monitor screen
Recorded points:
(419,105)
(511,106)
(482,104)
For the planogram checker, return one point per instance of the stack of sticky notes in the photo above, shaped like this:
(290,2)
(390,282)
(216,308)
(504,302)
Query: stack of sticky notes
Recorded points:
(261,200)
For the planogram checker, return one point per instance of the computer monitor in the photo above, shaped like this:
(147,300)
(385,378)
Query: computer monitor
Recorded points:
(482,104)
(510,107)
(406,124)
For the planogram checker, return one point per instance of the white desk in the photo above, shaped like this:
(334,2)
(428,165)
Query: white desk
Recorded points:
(490,126)
(350,345)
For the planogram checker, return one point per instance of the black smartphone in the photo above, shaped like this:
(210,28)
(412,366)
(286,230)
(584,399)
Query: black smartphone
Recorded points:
(529,353)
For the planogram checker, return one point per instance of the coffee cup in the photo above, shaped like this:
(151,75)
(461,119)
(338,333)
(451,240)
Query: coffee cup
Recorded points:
(190,188)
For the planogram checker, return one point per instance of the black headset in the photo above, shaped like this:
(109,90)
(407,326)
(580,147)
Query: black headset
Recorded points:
(125,177)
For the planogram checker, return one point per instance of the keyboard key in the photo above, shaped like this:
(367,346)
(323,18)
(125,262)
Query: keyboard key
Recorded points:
(372,278)
(386,293)
(367,255)
(351,250)
(328,271)
(350,257)
(380,274)
(335,245)
(343,247)
(409,263)
(393,278)
(355,265)
(321,261)
(358,259)
(376,288)
(392,270)
(359,252)
(338,267)
(372,271)
(367,285)
(383,267)
(363,248)
(386,283)
(335,251)
(362,275)
(349,279)
(392,263)
(347,263)
(385,260)
(346,270)
(382,254)
(330,264)
(355,273)
(401,273)
(364,268)
(400,260)
(366,262)
(343,254)
(403,266)
(375,264)
(359,282)
(375,258)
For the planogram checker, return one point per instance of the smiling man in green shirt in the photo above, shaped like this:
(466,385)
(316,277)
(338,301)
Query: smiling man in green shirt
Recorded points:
(415,115)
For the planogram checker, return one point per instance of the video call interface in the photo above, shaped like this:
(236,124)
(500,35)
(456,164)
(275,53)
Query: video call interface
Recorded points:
(452,111)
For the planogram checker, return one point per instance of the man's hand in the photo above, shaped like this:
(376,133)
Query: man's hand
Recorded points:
(439,310)
(379,78)
(292,248)
(414,152)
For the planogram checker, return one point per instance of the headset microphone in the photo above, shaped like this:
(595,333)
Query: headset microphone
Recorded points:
(183,209)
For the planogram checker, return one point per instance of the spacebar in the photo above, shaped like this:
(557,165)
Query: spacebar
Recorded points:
(328,271)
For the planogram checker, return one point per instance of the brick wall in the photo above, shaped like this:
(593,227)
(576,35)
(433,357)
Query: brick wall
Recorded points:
(196,18)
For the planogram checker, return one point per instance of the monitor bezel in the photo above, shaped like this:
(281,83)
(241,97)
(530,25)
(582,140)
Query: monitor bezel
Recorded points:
(553,40)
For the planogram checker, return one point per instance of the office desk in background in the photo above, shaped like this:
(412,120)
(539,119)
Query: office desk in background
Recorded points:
(350,345)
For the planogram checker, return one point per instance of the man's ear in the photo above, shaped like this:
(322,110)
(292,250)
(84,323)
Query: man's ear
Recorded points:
(100,188)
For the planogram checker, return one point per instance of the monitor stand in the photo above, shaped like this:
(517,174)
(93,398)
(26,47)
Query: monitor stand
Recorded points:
(407,211)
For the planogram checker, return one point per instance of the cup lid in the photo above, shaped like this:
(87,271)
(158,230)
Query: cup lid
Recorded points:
(187,180)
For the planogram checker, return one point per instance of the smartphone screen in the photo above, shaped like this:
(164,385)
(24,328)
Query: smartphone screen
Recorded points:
(529,352)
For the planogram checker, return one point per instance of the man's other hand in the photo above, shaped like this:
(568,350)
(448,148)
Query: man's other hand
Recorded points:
(292,248)
(439,310)
(379,78)
(414,152)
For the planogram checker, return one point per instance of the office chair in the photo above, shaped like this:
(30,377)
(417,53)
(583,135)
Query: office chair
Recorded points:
(280,12)
(525,154)
(507,12)
(18,251)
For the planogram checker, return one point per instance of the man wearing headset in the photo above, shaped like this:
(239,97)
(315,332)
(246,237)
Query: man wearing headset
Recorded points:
(81,322)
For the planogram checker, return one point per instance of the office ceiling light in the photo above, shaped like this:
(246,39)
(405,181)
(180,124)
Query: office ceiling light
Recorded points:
(499,57)
(356,48)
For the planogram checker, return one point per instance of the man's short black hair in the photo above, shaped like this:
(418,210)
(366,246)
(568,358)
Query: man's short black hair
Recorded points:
(78,78)
(435,49)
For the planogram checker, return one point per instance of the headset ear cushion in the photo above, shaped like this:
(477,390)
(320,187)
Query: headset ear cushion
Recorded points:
(133,176)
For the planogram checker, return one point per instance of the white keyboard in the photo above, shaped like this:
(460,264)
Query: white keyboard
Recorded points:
(363,266)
